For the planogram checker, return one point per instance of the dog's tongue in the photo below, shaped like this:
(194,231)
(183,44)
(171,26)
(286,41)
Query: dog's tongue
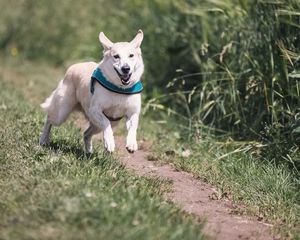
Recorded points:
(126,77)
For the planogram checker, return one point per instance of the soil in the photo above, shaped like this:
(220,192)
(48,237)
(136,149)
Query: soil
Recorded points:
(197,197)
(223,221)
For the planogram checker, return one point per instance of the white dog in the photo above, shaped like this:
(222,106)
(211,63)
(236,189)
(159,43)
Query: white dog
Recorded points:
(106,92)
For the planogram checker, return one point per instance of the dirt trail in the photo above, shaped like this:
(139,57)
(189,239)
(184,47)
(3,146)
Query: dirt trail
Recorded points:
(194,196)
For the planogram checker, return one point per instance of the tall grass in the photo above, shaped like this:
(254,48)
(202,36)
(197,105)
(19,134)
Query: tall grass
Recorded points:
(244,59)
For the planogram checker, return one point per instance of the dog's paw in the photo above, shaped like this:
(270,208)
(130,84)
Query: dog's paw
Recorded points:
(88,146)
(131,146)
(109,147)
(43,141)
(89,149)
(109,144)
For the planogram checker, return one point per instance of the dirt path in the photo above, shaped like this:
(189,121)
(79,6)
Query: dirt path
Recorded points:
(195,196)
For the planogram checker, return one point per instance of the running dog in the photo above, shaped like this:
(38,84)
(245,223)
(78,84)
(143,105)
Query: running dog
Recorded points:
(105,92)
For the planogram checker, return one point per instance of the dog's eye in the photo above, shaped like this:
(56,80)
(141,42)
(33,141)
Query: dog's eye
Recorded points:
(117,56)
(131,55)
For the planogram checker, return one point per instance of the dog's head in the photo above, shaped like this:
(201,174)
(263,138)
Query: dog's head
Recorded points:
(122,62)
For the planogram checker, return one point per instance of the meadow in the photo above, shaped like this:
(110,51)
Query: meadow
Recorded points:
(60,193)
(222,81)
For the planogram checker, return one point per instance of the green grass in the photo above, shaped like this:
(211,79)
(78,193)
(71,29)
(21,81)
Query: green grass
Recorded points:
(264,190)
(235,70)
(59,193)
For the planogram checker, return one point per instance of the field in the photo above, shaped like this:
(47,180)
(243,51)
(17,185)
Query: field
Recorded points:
(221,101)
(59,192)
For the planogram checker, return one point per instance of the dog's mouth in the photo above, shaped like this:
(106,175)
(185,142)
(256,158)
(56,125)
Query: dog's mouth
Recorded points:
(125,78)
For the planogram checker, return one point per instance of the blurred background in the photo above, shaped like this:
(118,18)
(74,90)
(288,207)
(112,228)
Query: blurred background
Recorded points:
(227,68)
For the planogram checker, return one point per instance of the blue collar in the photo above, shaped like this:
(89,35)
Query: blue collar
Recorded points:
(98,76)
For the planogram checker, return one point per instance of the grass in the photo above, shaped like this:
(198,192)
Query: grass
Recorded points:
(59,193)
(267,191)
(235,66)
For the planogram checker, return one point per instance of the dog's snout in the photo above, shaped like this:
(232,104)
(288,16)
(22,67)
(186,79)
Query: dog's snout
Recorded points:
(125,69)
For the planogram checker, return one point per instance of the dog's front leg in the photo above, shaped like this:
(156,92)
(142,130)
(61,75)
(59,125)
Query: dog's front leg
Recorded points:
(101,121)
(132,124)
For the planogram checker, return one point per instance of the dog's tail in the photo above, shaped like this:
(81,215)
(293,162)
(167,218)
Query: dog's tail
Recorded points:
(49,101)
(60,103)
(46,104)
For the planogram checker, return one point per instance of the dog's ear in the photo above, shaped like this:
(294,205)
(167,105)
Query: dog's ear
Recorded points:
(137,41)
(107,44)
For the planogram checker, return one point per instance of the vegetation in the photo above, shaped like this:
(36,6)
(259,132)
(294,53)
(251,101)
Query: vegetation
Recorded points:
(266,191)
(59,193)
(224,74)
(234,64)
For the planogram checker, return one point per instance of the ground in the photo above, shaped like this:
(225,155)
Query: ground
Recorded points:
(58,191)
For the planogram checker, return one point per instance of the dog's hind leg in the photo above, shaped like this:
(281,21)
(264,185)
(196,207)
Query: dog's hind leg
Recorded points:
(58,107)
(44,139)
(87,137)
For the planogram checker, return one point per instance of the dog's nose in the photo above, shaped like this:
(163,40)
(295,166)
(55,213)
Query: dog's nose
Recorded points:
(125,69)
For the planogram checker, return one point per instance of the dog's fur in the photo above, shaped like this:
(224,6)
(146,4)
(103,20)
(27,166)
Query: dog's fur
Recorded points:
(74,90)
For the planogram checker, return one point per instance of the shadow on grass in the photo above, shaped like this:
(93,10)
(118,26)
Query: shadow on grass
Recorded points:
(67,147)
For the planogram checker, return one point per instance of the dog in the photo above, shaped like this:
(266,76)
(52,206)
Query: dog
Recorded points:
(105,92)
